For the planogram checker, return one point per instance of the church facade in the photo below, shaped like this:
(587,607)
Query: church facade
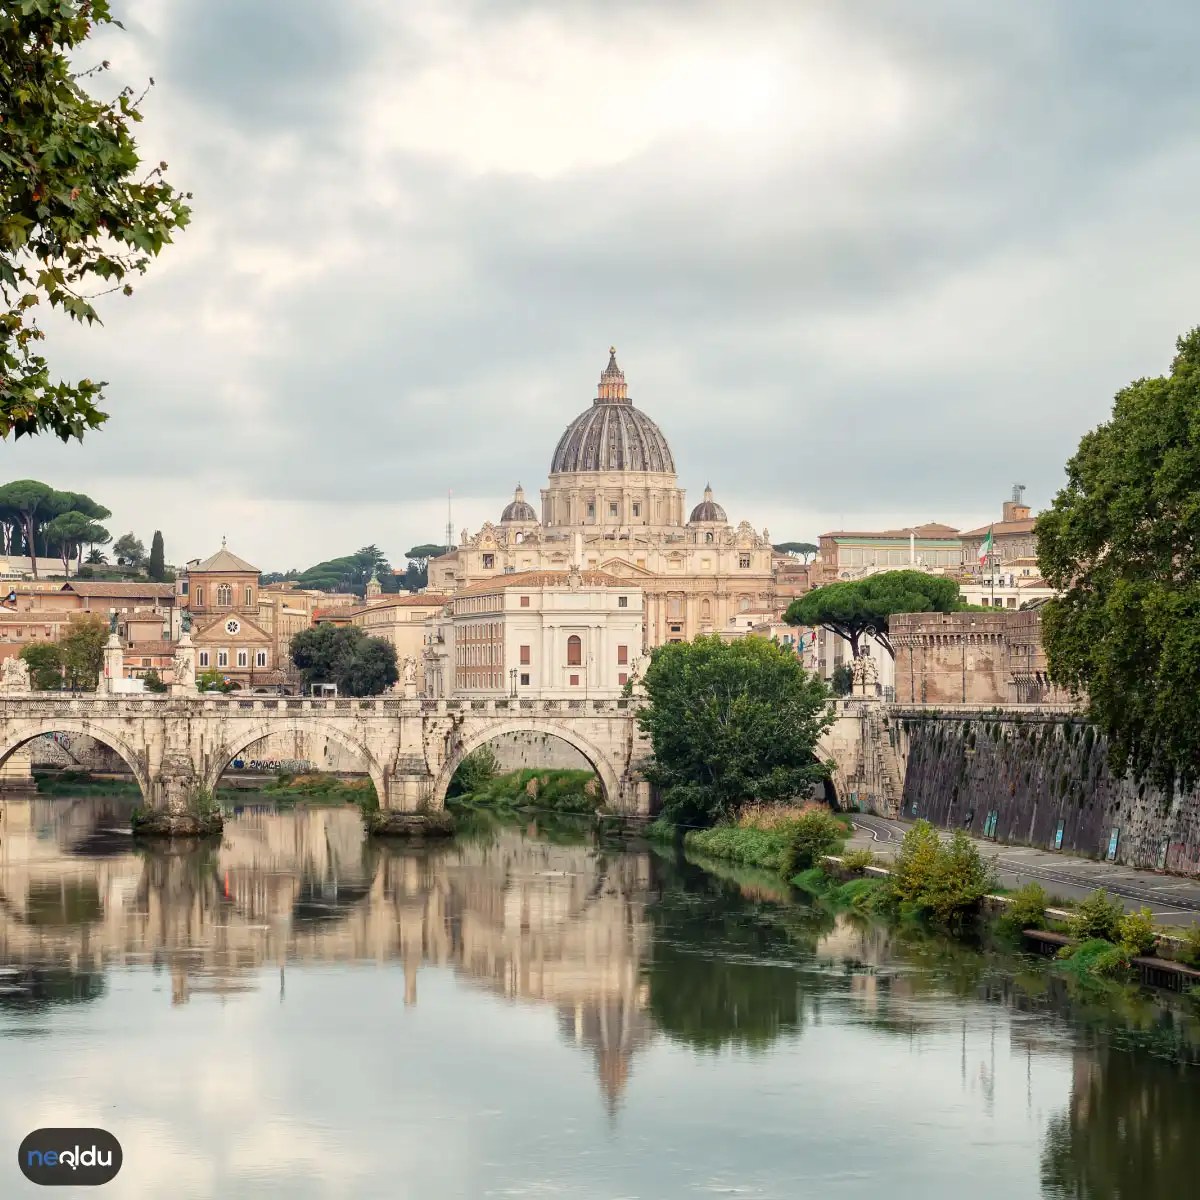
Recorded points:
(613,504)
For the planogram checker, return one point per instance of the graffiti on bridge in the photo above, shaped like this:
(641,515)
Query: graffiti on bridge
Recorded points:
(294,766)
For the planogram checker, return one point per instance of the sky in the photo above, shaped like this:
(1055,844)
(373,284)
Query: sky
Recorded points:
(866,264)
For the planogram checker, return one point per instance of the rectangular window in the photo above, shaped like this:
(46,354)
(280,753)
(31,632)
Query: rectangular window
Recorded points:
(637,510)
(145,662)
(623,655)
(489,562)
(591,512)
(574,680)
(183,588)
(622,601)
(612,510)
(622,678)
(676,629)
(222,658)
(743,561)
(243,659)
(204,658)
(524,601)
(524,656)
(260,658)
(524,680)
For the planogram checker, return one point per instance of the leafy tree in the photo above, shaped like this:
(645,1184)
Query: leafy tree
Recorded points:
(96,556)
(76,208)
(841,682)
(158,563)
(423,553)
(804,550)
(729,723)
(350,573)
(1120,545)
(946,882)
(153,682)
(82,651)
(864,606)
(371,670)
(129,550)
(214,681)
(359,665)
(70,533)
(45,665)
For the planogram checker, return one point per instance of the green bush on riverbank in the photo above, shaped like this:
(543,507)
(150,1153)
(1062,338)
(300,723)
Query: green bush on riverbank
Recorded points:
(559,790)
(777,838)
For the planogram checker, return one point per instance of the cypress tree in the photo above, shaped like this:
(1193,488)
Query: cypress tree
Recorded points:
(158,566)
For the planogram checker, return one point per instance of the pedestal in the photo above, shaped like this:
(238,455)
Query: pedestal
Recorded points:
(114,667)
(184,683)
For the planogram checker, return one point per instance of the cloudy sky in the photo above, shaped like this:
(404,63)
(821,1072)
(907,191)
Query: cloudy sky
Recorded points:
(865,263)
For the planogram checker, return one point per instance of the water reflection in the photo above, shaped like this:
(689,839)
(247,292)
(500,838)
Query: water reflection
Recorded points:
(654,969)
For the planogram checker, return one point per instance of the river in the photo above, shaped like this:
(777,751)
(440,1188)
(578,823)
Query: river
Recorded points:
(528,1012)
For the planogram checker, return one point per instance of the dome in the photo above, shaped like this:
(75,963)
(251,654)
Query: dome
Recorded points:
(612,435)
(519,509)
(708,509)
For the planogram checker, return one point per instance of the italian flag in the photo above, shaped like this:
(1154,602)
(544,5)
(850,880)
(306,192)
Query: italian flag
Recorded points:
(985,550)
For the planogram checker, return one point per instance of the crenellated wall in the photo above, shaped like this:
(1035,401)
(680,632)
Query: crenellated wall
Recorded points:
(1035,771)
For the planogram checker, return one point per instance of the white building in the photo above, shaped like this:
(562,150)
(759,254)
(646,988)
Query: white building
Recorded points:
(550,634)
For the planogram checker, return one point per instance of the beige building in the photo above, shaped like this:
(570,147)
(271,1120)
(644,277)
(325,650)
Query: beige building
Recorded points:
(549,634)
(855,554)
(613,484)
(1014,540)
(400,619)
(221,593)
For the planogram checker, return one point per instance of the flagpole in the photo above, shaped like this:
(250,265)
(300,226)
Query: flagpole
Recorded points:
(991,559)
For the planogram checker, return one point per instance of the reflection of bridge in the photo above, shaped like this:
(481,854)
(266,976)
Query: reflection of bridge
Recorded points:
(526,919)
(177,747)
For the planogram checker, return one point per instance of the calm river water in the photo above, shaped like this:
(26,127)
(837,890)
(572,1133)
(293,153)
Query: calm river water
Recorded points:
(299,1013)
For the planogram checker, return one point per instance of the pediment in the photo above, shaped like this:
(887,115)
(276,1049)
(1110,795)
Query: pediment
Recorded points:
(622,566)
(214,630)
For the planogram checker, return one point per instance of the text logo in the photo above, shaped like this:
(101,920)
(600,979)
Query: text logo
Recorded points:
(69,1157)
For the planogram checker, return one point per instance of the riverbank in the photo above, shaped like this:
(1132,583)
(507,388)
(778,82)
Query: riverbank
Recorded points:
(284,791)
(530,789)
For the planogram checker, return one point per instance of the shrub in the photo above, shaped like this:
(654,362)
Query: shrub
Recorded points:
(1095,957)
(1028,907)
(1191,948)
(1098,916)
(858,860)
(947,882)
(754,847)
(1137,932)
(475,772)
(813,835)
(153,682)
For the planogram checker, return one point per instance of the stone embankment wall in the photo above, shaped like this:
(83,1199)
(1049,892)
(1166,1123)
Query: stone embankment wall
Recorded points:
(1043,780)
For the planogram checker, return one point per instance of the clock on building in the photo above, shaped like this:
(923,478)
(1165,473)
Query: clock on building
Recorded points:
(233,625)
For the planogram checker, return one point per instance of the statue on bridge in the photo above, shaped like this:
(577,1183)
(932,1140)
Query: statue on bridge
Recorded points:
(865,675)
(14,676)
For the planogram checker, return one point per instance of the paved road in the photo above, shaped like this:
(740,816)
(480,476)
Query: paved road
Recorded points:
(1173,900)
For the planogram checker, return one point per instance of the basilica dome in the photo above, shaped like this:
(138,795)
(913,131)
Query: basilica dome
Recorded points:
(520,509)
(612,435)
(708,509)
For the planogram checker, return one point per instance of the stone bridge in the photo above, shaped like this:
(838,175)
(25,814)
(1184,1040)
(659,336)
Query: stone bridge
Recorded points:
(179,746)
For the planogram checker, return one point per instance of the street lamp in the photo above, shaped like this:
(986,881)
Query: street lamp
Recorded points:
(512,683)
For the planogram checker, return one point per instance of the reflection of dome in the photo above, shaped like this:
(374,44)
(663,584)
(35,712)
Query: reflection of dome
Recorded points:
(708,509)
(519,509)
(612,435)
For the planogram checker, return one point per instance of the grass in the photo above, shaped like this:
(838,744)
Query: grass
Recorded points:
(753,847)
(533,788)
(82,783)
(780,838)
(321,789)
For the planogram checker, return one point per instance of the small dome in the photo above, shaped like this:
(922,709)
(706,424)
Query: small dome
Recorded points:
(708,509)
(518,510)
(612,435)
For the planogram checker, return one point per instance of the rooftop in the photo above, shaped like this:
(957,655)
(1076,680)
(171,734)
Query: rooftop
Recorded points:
(1000,528)
(223,560)
(117,591)
(931,529)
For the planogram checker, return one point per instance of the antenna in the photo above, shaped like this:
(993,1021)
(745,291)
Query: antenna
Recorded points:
(1018,493)
(449,522)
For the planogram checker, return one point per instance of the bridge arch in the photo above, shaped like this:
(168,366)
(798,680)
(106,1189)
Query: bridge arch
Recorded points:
(133,758)
(472,739)
(249,734)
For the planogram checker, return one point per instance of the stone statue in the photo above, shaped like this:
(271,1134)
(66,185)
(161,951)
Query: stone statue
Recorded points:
(410,671)
(112,621)
(866,675)
(14,676)
(185,670)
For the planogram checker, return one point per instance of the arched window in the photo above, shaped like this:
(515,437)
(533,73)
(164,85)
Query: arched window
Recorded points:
(743,603)
(574,651)
(224,595)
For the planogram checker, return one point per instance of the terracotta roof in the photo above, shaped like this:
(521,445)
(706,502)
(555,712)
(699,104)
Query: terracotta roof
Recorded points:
(1000,528)
(223,560)
(118,591)
(930,530)
(537,579)
(404,600)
